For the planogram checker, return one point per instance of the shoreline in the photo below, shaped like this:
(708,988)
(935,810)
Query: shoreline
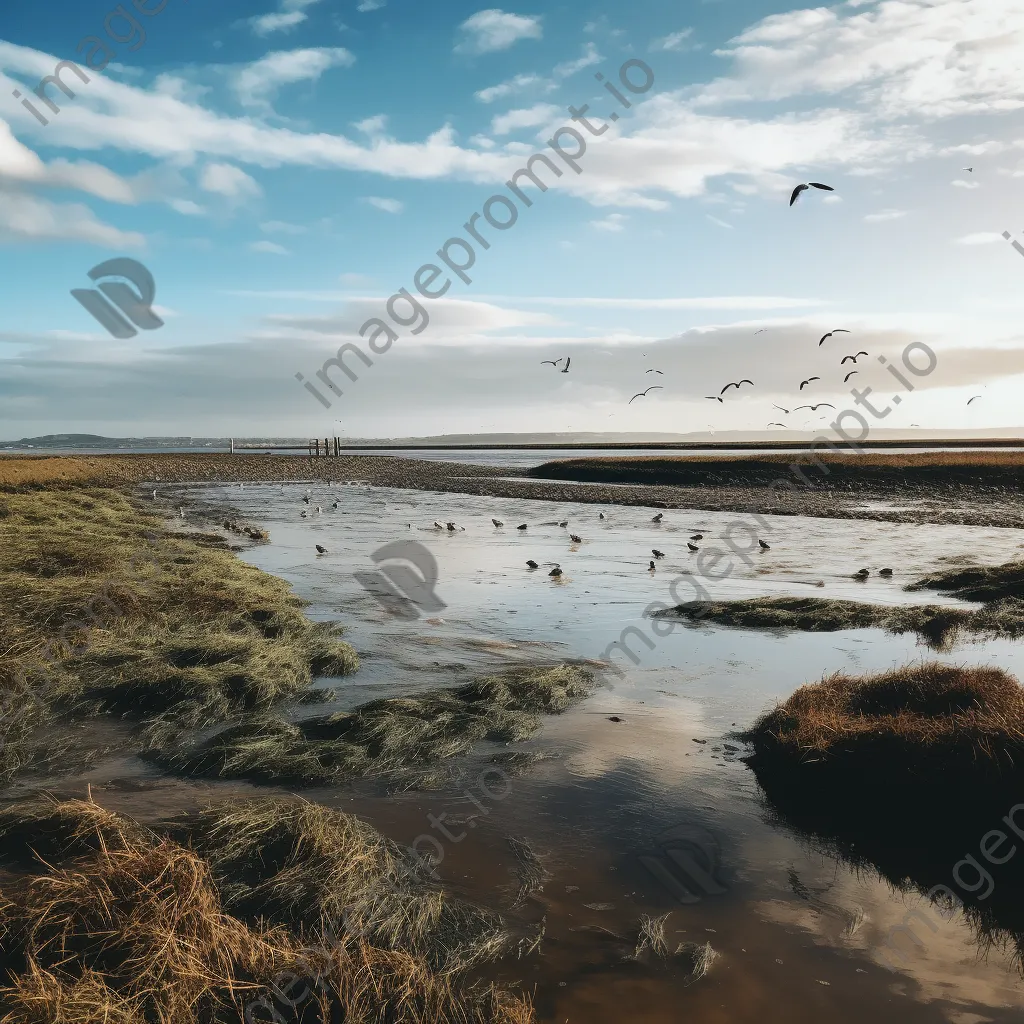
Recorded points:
(944,489)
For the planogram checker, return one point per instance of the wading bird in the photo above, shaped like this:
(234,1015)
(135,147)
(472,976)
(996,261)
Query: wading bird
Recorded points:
(815,408)
(321,550)
(657,553)
(556,572)
(838,330)
(643,394)
(521,527)
(692,547)
(497,522)
(853,357)
(575,538)
(650,567)
(697,536)
(532,564)
(764,547)
(658,518)
(803,188)
(804,383)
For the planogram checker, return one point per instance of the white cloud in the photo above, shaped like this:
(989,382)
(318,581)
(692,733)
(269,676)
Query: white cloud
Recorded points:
(352,280)
(371,5)
(375,125)
(570,67)
(511,87)
(980,238)
(256,84)
(530,117)
(884,215)
(673,41)
(229,181)
(960,183)
(387,205)
(613,222)
(487,31)
(186,207)
(29,218)
(289,14)
(272,247)
(720,223)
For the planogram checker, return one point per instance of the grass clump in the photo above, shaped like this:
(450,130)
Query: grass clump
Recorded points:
(106,610)
(136,931)
(289,860)
(395,737)
(909,724)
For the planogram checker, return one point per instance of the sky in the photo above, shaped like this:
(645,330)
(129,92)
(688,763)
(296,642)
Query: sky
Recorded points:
(283,168)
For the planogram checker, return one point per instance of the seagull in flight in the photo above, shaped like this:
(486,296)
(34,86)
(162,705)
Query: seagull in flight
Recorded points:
(853,357)
(654,371)
(551,362)
(803,188)
(762,330)
(642,394)
(838,330)
(568,360)
(849,375)
(736,385)
(969,400)
(714,398)
(815,408)
(779,407)
(776,424)
(803,382)
(970,170)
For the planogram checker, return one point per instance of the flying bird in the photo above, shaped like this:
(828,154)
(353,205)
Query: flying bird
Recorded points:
(849,375)
(804,382)
(736,385)
(643,394)
(779,407)
(803,188)
(568,360)
(853,357)
(760,331)
(969,400)
(815,408)
(714,398)
(838,330)
(551,362)
(970,170)
(777,424)
(654,371)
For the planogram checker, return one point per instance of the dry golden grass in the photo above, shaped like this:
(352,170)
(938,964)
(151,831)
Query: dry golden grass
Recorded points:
(918,719)
(135,932)
(105,609)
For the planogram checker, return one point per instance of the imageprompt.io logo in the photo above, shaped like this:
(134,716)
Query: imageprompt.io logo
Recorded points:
(136,306)
(398,588)
(686,862)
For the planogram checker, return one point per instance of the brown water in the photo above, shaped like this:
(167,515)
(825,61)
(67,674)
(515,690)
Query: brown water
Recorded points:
(631,811)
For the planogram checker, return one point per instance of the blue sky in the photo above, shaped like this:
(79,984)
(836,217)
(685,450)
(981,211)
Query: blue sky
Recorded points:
(283,167)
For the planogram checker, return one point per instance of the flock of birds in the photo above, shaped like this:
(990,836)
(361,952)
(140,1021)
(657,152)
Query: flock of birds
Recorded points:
(794,196)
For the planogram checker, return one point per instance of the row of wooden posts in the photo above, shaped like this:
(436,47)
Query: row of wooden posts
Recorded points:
(332,446)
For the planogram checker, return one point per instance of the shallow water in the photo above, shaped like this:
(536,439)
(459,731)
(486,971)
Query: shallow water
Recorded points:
(802,936)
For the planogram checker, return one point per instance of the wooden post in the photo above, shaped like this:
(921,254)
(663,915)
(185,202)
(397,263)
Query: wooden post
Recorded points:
(232,446)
